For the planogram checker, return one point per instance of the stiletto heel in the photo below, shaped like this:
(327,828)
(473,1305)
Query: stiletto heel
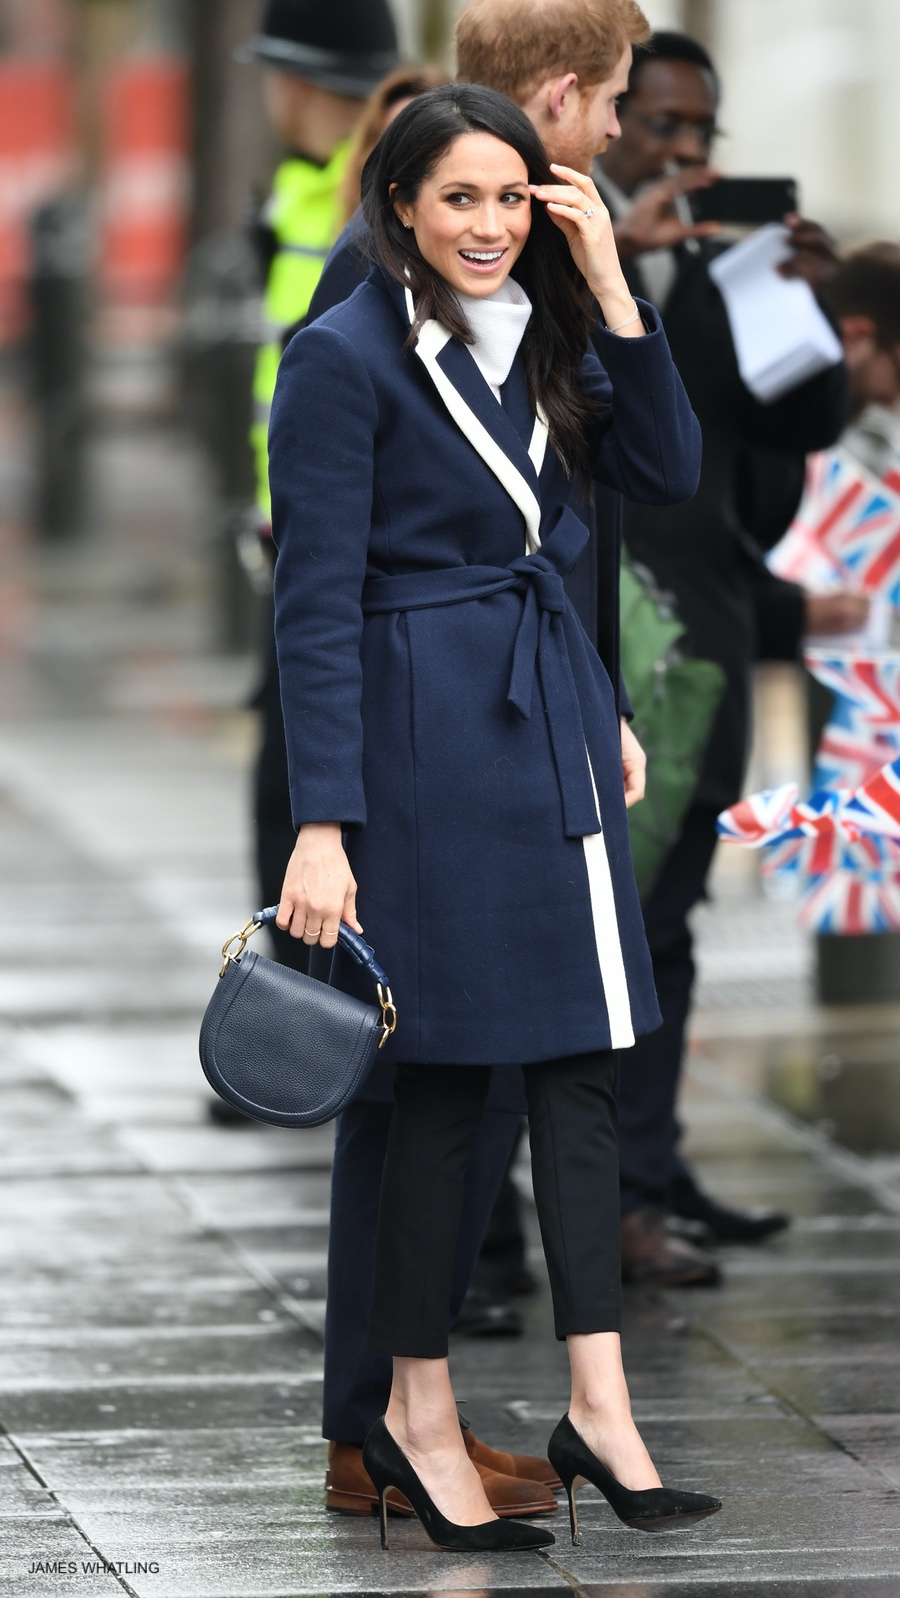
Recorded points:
(388,1466)
(653,1509)
(571,1489)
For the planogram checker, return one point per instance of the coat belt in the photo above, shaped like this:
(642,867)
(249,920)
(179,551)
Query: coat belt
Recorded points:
(540,646)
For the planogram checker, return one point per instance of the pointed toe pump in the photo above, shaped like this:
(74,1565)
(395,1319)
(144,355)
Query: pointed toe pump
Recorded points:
(388,1467)
(653,1509)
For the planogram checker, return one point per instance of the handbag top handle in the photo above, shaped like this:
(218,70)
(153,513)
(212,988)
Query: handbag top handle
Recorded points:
(355,945)
(361,951)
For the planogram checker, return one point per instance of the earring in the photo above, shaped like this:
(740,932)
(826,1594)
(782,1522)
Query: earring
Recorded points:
(407,224)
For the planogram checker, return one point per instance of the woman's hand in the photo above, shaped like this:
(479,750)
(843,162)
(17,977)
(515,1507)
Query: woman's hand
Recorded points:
(634,767)
(578,210)
(319,889)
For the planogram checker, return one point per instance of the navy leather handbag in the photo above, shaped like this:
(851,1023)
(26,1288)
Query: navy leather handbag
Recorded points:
(282,1047)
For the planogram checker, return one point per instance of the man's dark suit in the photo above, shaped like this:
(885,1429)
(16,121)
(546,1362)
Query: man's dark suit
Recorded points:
(736,613)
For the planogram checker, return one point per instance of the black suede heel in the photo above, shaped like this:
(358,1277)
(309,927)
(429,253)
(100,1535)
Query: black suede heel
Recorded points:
(653,1509)
(388,1466)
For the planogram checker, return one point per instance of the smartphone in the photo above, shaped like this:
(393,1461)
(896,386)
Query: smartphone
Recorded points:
(745,200)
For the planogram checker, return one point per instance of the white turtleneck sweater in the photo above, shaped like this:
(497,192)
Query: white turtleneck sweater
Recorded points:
(498,323)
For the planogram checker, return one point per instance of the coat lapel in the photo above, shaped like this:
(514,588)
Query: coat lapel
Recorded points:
(516,403)
(483,421)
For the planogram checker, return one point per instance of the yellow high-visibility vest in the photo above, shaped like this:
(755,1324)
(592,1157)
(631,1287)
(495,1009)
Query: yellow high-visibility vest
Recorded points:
(304,215)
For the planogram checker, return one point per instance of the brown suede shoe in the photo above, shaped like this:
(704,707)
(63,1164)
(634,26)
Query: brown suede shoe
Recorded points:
(525,1467)
(652,1255)
(350,1491)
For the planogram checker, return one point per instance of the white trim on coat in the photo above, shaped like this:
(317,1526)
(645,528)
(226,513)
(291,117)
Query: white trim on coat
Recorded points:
(432,339)
(537,449)
(606,937)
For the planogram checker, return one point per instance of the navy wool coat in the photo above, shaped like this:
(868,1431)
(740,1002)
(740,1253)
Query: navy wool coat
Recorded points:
(441,699)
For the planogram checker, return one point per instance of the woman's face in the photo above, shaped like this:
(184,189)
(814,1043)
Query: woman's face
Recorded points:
(472,215)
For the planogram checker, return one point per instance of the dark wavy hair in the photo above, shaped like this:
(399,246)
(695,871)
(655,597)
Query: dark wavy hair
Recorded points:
(557,334)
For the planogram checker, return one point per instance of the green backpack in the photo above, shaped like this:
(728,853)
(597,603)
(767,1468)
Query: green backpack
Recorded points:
(674,698)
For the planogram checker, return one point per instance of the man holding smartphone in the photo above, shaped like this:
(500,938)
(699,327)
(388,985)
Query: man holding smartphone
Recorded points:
(735,611)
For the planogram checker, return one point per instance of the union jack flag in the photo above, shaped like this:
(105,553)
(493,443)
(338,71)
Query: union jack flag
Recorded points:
(835,814)
(869,682)
(844,902)
(849,751)
(798,557)
(848,878)
(847,528)
(864,730)
(876,859)
(873,807)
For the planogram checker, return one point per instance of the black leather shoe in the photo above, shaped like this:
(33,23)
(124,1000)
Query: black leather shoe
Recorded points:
(653,1509)
(650,1254)
(726,1225)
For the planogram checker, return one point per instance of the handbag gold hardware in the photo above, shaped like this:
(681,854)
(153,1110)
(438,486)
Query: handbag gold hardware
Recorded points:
(241,939)
(388,1013)
(231,956)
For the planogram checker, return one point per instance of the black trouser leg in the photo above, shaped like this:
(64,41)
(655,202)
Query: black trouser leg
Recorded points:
(651,1071)
(504,1251)
(574,1161)
(572,1117)
(493,1148)
(357,1382)
(437,1110)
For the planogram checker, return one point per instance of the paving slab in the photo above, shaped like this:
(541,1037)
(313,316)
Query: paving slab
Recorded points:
(202,1352)
(50,1554)
(754,1537)
(285,1398)
(856,1587)
(97,1465)
(872,1439)
(20,1491)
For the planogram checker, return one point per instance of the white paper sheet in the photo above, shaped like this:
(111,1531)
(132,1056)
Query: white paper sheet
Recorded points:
(781,337)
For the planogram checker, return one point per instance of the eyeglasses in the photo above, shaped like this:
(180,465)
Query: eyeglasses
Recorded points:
(668,126)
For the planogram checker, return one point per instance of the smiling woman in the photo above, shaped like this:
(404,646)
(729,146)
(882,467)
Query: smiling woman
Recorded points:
(472,214)
(454,742)
(460,172)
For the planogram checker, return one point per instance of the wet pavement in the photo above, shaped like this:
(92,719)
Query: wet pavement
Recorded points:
(163,1279)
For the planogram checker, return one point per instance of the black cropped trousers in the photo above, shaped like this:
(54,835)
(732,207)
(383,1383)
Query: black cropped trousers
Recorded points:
(572,1127)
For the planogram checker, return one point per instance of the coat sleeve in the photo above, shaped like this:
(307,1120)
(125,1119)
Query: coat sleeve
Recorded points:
(321,469)
(646,440)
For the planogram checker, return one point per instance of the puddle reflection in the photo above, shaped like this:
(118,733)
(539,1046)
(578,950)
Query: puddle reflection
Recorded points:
(848,1086)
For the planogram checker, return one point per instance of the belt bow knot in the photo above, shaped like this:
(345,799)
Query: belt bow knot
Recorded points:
(540,646)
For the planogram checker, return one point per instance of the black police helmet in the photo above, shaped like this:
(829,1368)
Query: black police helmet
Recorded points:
(347,46)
